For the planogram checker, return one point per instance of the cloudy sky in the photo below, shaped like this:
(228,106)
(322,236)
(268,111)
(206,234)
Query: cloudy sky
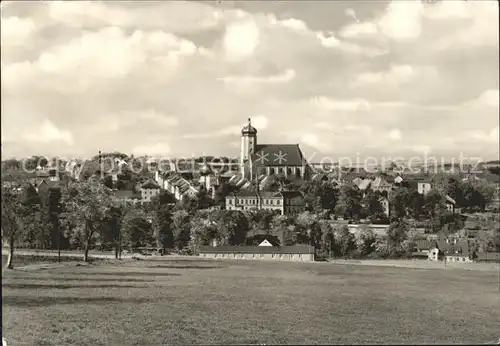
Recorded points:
(365,78)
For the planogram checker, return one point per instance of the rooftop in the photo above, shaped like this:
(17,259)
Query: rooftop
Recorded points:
(278,155)
(295,249)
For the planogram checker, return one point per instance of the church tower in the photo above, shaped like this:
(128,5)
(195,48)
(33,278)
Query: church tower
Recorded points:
(248,146)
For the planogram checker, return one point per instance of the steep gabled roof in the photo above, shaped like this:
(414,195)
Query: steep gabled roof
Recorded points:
(150,184)
(379,182)
(244,193)
(365,184)
(278,155)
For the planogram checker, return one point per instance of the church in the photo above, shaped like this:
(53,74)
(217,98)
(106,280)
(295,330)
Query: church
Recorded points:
(270,159)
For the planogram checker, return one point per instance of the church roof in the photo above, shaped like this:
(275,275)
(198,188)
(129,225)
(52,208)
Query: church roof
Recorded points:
(249,129)
(278,155)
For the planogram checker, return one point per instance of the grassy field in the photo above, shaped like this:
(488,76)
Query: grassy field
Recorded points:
(21,261)
(247,302)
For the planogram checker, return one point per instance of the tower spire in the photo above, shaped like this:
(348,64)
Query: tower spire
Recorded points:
(249,121)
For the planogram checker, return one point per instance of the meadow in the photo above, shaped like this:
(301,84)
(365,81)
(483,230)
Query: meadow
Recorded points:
(194,301)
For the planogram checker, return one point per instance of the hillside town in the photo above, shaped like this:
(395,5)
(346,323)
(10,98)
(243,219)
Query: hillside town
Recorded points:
(270,196)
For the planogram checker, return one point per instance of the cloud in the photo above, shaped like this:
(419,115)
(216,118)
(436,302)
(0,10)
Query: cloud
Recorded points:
(245,80)
(241,39)
(488,98)
(491,136)
(48,132)
(315,142)
(356,30)
(349,12)
(152,150)
(105,54)
(259,121)
(403,21)
(121,75)
(331,104)
(175,16)
(15,31)
(395,135)
(397,74)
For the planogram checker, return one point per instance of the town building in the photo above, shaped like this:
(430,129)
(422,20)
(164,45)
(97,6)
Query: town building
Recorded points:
(179,187)
(125,197)
(283,202)
(149,189)
(424,186)
(447,249)
(451,205)
(281,159)
(264,251)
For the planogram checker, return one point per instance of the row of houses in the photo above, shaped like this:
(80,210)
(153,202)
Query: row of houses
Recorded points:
(283,202)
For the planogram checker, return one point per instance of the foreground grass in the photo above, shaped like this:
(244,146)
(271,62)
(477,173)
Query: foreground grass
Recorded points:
(246,302)
(24,260)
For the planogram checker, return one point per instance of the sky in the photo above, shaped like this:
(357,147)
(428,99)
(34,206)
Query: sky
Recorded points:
(342,79)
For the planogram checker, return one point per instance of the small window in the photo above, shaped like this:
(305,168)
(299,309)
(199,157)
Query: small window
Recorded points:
(261,255)
(278,202)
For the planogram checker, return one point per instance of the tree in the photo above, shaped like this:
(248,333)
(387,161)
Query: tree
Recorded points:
(108,181)
(11,223)
(397,234)
(89,206)
(486,190)
(202,231)
(180,225)
(365,241)
(281,226)
(319,196)
(344,241)
(203,199)
(135,228)
(416,204)
(372,207)
(233,228)
(221,192)
(327,238)
(309,229)
(161,218)
(111,235)
(399,200)
(434,208)
(454,189)
(349,203)
(260,220)
(493,240)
